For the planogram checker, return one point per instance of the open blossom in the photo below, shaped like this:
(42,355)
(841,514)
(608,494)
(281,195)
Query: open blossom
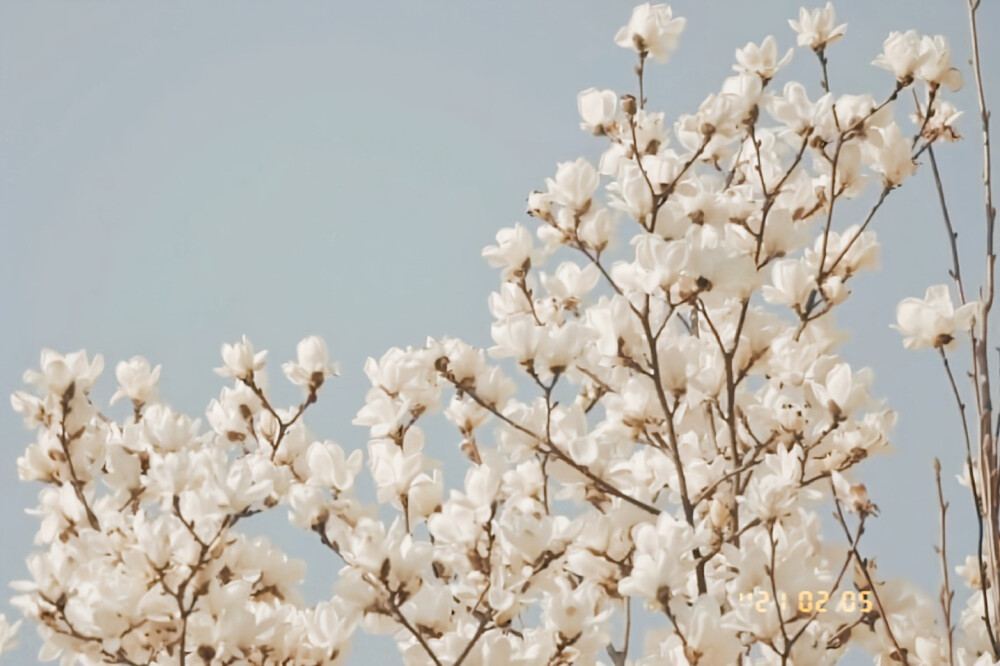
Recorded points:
(942,124)
(137,381)
(891,156)
(58,372)
(761,60)
(793,108)
(329,467)
(632,193)
(901,54)
(571,283)
(970,572)
(933,321)
(513,252)
(909,55)
(792,284)
(312,364)
(936,68)
(240,361)
(652,29)
(574,185)
(818,27)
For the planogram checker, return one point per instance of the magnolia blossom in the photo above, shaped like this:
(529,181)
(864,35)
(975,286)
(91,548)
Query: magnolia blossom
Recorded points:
(574,185)
(513,251)
(891,156)
(652,29)
(761,60)
(902,54)
(939,123)
(937,68)
(909,55)
(240,361)
(137,381)
(818,27)
(933,321)
(313,364)
(598,109)
(58,372)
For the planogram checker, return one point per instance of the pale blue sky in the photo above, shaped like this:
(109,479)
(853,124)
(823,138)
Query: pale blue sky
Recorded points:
(173,175)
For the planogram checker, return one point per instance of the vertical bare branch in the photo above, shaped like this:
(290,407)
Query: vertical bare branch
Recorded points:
(987,445)
(947,595)
(976,497)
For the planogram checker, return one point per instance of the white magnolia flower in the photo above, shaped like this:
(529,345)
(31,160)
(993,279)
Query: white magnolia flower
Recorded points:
(936,68)
(571,283)
(817,28)
(597,109)
(761,60)
(574,185)
(240,361)
(970,572)
(933,321)
(518,337)
(30,407)
(653,30)
(794,109)
(540,205)
(330,468)
(632,193)
(58,372)
(312,365)
(942,124)
(889,152)
(513,252)
(903,53)
(136,380)
(424,496)
(792,284)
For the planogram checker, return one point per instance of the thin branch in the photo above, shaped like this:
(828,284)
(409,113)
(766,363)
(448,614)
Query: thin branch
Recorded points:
(551,448)
(956,266)
(946,593)
(65,438)
(987,444)
(977,500)
(480,630)
(871,215)
(771,574)
(863,564)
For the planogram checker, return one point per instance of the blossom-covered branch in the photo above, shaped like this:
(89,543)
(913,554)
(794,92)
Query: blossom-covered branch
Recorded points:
(662,417)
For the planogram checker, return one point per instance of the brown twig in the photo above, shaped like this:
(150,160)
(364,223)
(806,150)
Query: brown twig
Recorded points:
(863,564)
(987,445)
(65,439)
(976,498)
(947,595)
(551,448)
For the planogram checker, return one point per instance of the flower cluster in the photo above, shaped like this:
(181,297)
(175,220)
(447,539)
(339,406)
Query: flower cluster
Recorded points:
(655,429)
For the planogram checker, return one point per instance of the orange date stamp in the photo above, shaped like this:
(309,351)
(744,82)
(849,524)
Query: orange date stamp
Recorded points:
(810,601)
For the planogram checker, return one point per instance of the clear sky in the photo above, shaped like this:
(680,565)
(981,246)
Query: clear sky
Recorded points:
(173,175)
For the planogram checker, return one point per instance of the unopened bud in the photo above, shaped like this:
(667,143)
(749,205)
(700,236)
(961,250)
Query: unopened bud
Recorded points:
(628,105)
